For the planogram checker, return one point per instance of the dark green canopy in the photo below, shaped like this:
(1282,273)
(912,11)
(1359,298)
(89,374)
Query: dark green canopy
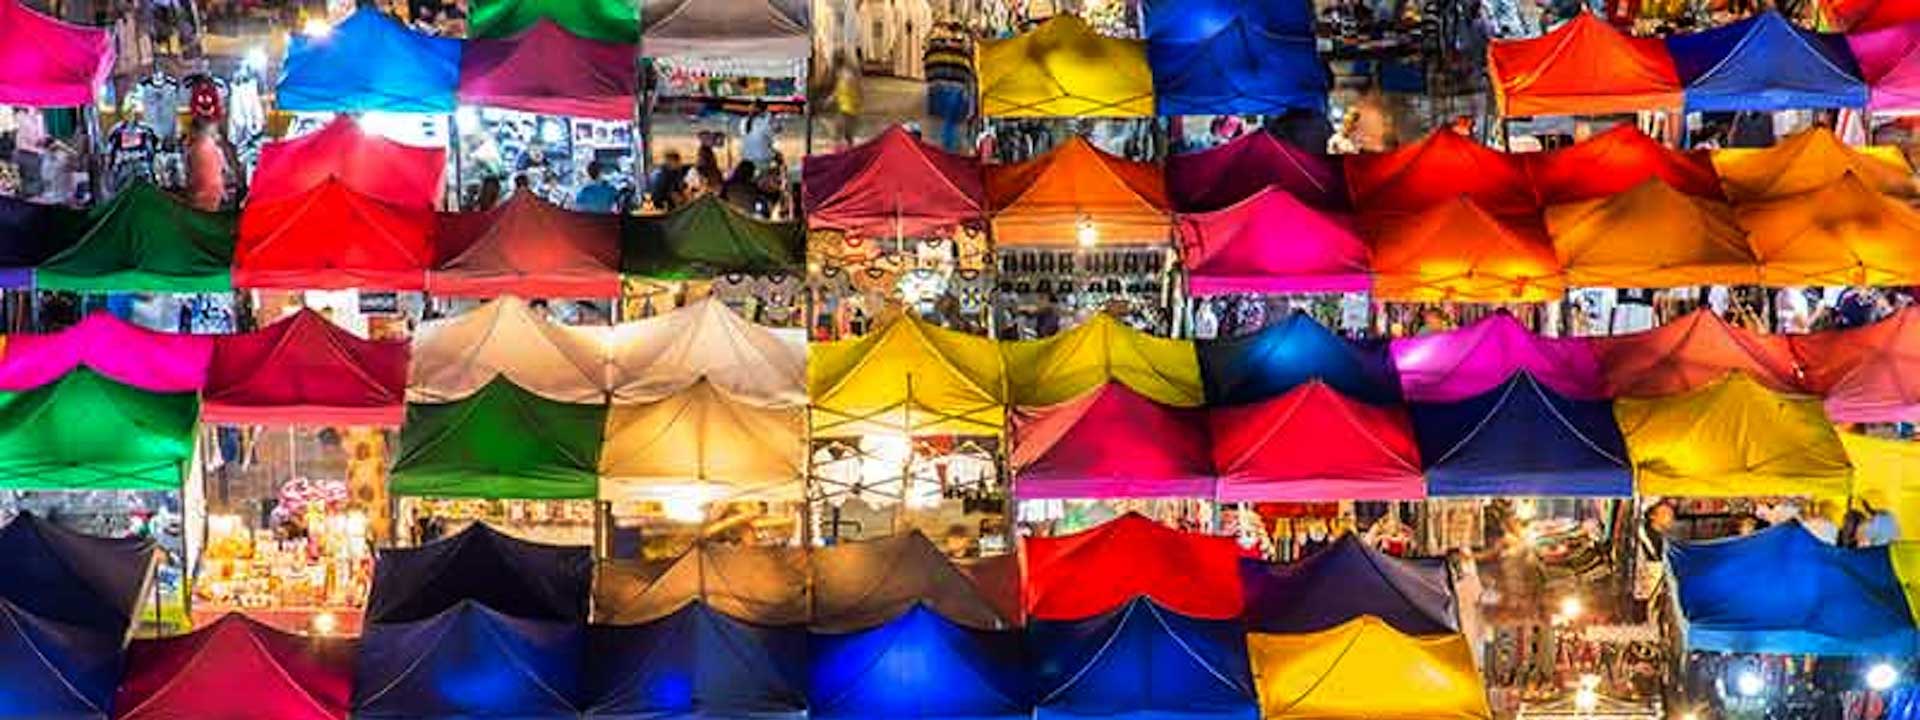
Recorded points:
(607,20)
(500,442)
(146,240)
(709,237)
(87,432)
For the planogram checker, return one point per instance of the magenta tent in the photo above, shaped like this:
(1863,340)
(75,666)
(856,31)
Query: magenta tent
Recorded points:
(546,69)
(1890,63)
(1111,443)
(1219,177)
(1271,242)
(48,63)
(369,165)
(1459,364)
(126,353)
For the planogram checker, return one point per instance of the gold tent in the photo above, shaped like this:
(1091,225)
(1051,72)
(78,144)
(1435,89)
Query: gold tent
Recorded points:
(1886,477)
(1807,161)
(1842,233)
(701,445)
(1604,242)
(1063,68)
(1733,438)
(1365,670)
(907,377)
(1054,370)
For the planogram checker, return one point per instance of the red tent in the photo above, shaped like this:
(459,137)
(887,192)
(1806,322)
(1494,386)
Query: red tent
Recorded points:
(527,247)
(1691,352)
(1219,177)
(892,185)
(332,237)
(1315,444)
(1616,161)
(546,69)
(1078,576)
(1864,15)
(368,164)
(1864,372)
(1111,443)
(1271,242)
(48,63)
(304,369)
(1584,67)
(1444,166)
(236,669)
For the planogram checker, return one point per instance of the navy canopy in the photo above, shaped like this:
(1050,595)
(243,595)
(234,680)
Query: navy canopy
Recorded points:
(1782,590)
(50,669)
(470,662)
(918,666)
(1234,57)
(512,576)
(1141,660)
(29,234)
(369,62)
(1287,354)
(697,663)
(1343,581)
(1522,438)
(1766,63)
(76,579)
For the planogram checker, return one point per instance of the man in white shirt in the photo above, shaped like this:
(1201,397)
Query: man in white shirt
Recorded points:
(758,133)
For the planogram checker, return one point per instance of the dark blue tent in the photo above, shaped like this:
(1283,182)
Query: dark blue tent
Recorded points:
(1766,63)
(1287,354)
(1343,581)
(1782,590)
(369,62)
(697,664)
(506,574)
(66,577)
(29,234)
(1522,438)
(470,662)
(918,666)
(1234,57)
(1142,661)
(50,669)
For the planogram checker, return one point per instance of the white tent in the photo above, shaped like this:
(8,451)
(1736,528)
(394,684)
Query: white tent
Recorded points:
(759,29)
(454,357)
(659,357)
(701,445)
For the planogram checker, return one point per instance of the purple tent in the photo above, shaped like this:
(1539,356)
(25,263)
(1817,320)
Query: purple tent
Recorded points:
(1342,582)
(1217,178)
(1459,364)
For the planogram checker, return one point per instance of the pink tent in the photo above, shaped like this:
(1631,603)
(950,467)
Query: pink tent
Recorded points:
(547,70)
(1111,443)
(1890,63)
(370,165)
(1271,242)
(126,353)
(48,63)
(1456,365)
(1216,178)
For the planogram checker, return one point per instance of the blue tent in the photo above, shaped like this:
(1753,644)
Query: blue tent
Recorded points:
(66,577)
(918,666)
(697,664)
(369,62)
(469,662)
(1343,581)
(1782,590)
(1766,63)
(1522,438)
(29,234)
(50,669)
(509,575)
(1236,57)
(1287,354)
(1141,661)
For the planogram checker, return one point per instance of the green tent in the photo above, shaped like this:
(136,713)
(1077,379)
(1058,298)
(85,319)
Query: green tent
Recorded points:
(500,442)
(87,432)
(709,237)
(146,240)
(607,20)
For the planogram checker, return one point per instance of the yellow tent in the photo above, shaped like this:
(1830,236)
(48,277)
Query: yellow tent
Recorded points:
(1063,68)
(907,377)
(701,445)
(1063,367)
(1366,670)
(1806,161)
(1733,438)
(1841,233)
(1604,242)
(1886,476)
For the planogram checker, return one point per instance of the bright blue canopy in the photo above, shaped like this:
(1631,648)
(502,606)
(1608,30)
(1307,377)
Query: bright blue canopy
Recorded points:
(370,62)
(697,664)
(918,666)
(1286,355)
(1782,590)
(1142,661)
(1766,63)
(50,669)
(1344,581)
(1522,438)
(510,575)
(1234,57)
(64,576)
(469,662)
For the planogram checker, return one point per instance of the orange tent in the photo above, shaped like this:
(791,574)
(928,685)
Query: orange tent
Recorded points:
(1053,199)
(1863,372)
(1584,67)
(1616,161)
(1444,166)
(1692,352)
(1604,242)
(1844,233)
(1807,161)
(1457,251)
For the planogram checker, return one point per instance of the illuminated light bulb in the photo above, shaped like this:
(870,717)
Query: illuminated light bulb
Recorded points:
(325,623)
(1087,233)
(1572,608)
(1586,700)
(1749,683)
(1882,677)
(684,509)
(316,28)
(255,58)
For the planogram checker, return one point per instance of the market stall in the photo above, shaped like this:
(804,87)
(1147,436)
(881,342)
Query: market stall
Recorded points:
(303,369)
(470,660)
(1365,668)
(866,584)
(1583,67)
(1314,444)
(1810,160)
(605,21)
(1141,659)
(1821,599)
(765,586)
(705,341)
(485,567)
(1887,58)
(545,69)
(1344,581)
(1691,352)
(1293,352)
(1704,243)
(1456,364)
(1234,58)
(1064,68)
(503,442)
(1733,437)
(511,340)
(119,351)
(344,151)
(1766,63)
(1078,576)
(369,62)
(526,246)
(1228,174)
(1271,242)
(84,431)
(77,580)
(57,669)
(907,376)
(697,661)
(1860,372)
(918,664)
(1444,168)
(1460,251)
(237,666)
(709,237)
(701,445)
(890,187)
(1111,442)
(1845,233)
(30,233)
(1102,350)
(50,63)
(144,240)
(1522,438)
(1616,161)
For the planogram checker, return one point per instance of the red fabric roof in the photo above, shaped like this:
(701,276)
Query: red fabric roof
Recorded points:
(331,237)
(1691,352)
(1219,177)
(1616,161)
(1074,577)
(303,369)
(892,184)
(546,69)
(1583,67)
(1864,15)
(237,668)
(1315,444)
(1441,167)
(368,164)
(1111,443)
(1864,373)
(528,247)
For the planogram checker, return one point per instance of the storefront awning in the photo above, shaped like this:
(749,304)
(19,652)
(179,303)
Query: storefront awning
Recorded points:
(529,247)
(304,370)
(48,63)
(145,240)
(1057,199)
(1583,67)
(547,70)
(709,237)
(1733,438)
(1223,57)
(1064,68)
(369,62)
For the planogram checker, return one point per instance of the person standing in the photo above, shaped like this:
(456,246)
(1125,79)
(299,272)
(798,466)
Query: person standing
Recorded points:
(598,195)
(758,135)
(206,166)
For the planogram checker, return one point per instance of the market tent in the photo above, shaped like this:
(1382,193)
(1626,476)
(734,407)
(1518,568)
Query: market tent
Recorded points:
(1809,160)
(1344,581)
(1458,364)
(1141,661)
(369,62)
(1701,241)
(1111,442)
(1064,68)
(1458,251)
(997,577)
(1733,438)
(920,665)
(893,185)
(1366,669)
(482,565)
(87,432)
(1886,478)
(332,238)
(68,577)
(145,240)
(508,339)
(50,669)
(702,445)
(907,375)
(1053,199)
(1582,67)
(1766,63)
(48,63)
(1101,350)
(1690,352)
(526,246)
(1858,16)
(1445,166)
(615,21)
(1294,351)
(364,162)
(1224,175)
(30,233)
(1522,438)
(1271,242)
(1314,444)
(870,583)
(755,584)
(1819,600)
(1222,57)
(1616,161)
(756,29)
(1890,66)
(303,369)
(1844,234)
(237,668)
(706,341)
(502,442)
(696,663)
(470,661)
(1863,372)
(547,70)
(122,351)
(1078,576)
(708,237)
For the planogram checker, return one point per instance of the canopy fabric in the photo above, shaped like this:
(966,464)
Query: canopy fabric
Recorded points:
(1582,67)
(546,70)
(333,238)
(1701,241)
(48,63)
(1222,176)
(709,237)
(1101,350)
(481,565)
(997,578)
(893,185)
(1888,65)
(1733,438)
(1218,57)
(701,444)
(1886,477)
(1271,242)
(769,29)
(1845,233)
(145,240)
(1457,251)
(1095,571)
(1294,351)
(237,668)
(758,585)
(706,341)
(920,665)
(123,352)
(1141,661)
(1862,372)
(526,246)
(1458,364)
(614,21)
(1345,581)
(1522,439)
(871,583)
(1445,166)
(696,663)
(1314,444)
(1820,599)
(1111,442)
(1064,68)
(1617,161)
(909,375)
(87,432)
(506,338)
(303,369)
(1860,16)
(1048,200)
(366,163)
(30,233)
(370,62)
(1810,160)
(1365,669)
(1691,352)
(1766,63)
(502,442)
(470,661)
(67,577)
(50,669)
